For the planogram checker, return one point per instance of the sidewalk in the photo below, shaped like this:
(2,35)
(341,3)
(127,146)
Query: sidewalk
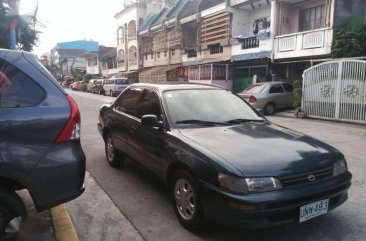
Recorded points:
(96,218)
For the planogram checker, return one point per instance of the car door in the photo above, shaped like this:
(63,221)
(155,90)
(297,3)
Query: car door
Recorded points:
(150,141)
(289,95)
(276,94)
(123,120)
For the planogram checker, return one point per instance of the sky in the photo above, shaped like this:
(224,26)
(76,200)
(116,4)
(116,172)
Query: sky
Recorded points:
(68,20)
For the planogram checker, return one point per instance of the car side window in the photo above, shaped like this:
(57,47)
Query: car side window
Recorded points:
(149,104)
(128,101)
(17,89)
(288,87)
(275,89)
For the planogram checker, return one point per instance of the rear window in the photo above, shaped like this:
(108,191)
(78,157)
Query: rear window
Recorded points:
(288,87)
(255,89)
(121,82)
(17,89)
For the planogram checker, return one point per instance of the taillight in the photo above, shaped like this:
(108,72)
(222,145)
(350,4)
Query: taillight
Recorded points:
(71,130)
(252,99)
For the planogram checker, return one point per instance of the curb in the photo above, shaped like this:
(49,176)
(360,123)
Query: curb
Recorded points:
(63,225)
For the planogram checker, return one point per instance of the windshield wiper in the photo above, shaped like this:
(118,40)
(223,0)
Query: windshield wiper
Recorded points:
(237,121)
(201,122)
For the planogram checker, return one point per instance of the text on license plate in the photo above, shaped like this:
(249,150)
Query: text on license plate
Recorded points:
(313,210)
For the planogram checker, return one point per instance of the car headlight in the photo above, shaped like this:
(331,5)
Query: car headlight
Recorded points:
(339,167)
(249,185)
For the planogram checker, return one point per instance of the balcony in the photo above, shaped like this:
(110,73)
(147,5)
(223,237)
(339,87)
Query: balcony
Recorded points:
(304,44)
(249,43)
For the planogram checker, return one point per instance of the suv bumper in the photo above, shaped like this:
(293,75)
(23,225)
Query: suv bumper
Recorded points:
(271,208)
(59,176)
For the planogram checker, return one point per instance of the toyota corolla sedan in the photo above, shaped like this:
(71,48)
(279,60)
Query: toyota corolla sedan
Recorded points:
(222,160)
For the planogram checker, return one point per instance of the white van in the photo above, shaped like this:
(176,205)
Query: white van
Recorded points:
(115,86)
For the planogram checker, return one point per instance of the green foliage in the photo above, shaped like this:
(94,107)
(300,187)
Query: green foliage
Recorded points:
(79,77)
(350,39)
(27,36)
(297,95)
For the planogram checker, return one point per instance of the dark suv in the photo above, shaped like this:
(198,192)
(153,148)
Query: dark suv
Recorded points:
(39,139)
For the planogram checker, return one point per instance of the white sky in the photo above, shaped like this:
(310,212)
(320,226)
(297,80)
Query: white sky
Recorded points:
(68,20)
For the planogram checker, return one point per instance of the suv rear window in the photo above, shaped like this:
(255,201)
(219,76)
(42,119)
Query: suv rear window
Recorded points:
(17,89)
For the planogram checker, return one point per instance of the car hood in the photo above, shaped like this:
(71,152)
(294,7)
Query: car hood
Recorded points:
(264,149)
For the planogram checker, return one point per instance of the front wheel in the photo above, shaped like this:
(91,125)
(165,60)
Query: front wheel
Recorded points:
(187,205)
(12,214)
(114,157)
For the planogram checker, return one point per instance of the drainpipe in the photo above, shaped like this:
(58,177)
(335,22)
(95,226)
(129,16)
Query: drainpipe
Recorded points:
(273,26)
(13,24)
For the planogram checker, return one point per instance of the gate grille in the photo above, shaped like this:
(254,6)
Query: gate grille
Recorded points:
(336,90)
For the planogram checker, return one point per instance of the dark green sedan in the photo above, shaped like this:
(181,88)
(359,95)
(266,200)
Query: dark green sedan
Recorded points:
(222,160)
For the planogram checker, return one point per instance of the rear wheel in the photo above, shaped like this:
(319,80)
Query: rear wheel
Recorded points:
(187,205)
(114,157)
(12,214)
(270,109)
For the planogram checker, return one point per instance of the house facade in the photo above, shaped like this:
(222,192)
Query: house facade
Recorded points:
(232,43)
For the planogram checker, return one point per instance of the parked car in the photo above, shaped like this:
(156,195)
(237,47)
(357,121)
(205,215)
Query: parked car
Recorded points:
(76,86)
(90,84)
(222,159)
(269,96)
(39,140)
(115,86)
(97,87)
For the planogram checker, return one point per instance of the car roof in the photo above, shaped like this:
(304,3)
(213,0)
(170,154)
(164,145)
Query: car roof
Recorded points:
(270,83)
(181,86)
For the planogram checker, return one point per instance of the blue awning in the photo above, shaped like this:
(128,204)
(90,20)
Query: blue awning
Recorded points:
(257,55)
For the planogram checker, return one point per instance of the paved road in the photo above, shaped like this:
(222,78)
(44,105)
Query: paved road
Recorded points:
(144,200)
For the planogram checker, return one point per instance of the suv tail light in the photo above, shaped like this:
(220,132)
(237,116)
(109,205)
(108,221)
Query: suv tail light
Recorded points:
(252,99)
(71,130)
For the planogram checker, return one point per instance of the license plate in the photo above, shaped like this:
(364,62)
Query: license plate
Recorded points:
(313,210)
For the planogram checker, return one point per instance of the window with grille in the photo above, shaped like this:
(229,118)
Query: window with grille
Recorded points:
(216,49)
(192,53)
(312,18)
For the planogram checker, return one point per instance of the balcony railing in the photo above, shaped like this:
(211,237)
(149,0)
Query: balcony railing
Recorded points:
(249,43)
(302,41)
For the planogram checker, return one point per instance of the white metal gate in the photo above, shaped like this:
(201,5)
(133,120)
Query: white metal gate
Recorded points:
(336,90)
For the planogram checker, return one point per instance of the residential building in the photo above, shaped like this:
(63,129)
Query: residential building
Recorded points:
(252,41)
(161,41)
(211,59)
(128,20)
(70,57)
(108,62)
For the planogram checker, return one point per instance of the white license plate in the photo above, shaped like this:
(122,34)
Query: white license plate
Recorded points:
(313,210)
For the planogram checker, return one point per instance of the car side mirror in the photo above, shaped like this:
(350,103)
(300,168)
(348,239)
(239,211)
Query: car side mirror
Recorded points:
(151,120)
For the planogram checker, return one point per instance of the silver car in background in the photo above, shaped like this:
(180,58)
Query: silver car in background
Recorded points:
(269,96)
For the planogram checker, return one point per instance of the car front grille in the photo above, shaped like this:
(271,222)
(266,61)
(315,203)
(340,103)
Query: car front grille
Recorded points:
(306,178)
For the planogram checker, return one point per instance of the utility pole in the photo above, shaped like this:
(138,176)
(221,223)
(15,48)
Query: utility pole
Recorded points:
(13,4)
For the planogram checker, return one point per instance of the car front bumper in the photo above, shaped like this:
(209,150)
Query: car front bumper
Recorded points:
(270,209)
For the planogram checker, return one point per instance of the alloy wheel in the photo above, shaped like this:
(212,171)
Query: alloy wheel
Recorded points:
(185,198)
(110,149)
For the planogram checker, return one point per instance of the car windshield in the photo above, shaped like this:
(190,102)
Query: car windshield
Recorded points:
(209,106)
(121,82)
(255,89)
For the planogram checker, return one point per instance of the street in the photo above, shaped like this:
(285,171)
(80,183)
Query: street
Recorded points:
(144,201)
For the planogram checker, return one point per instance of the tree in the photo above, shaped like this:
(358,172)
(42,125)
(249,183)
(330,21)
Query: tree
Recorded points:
(27,36)
(350,39)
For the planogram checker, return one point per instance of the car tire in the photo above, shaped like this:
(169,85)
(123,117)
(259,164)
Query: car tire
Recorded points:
(115,158)
(12,214)
(270,109)
(187,206)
